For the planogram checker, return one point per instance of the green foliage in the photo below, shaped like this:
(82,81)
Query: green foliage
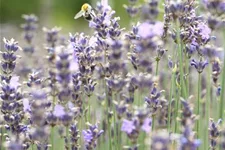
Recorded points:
(11,10)
(62,12)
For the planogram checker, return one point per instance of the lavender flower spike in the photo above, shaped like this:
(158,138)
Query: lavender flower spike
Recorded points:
(11,45)
(199,66)
(161,141)
(91,135)
(187,140)
(8,62)
(214,132)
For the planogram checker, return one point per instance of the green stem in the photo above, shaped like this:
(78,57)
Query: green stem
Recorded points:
(114,124)
(177,108)
(108,105)
(141,141)
(119,142)
(222,99)
(207,110)
(52,137)
(170,100)
(198,104)
(81,125)
(85,108)
(89,109)
(109,133)
(180,53)
(157,67)
(138,97)
(187,74)
(67,137)
(54,102)
(153,122)
(182,83)
(32,147)
(2,133)
(108,119)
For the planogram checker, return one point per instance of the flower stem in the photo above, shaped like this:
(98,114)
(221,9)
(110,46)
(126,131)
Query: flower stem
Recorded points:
(170,100)
(157,67)
(2,133)
(114,124)
(180,53)
(119,136)
(81,125)
(153,122)
(138,97)
(187,74)
(109,133)
(32,147)
(89,108)
(52,137)
(108,116)
(207,109)
(54,102)
(177,108)
(222,99)
(198,104)
(67,144)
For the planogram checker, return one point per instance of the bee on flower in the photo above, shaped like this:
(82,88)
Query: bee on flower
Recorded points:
(87,12)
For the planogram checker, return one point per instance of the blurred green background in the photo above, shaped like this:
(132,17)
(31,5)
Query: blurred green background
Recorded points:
(54,12)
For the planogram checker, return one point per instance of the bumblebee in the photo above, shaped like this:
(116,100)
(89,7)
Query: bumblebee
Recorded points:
(87,12)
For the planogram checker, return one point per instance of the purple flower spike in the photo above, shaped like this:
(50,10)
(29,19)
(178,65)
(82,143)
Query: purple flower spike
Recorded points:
(91,135)
(187,140)
(199,66)
(214,133)
(11,45)
(153,100)
(29,28)
(87,136)
(8,61)
(161,141)
(52,35)
(74,132)
(216,70)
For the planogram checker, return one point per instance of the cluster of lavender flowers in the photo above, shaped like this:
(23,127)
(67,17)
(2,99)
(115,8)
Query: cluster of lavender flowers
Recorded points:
(156,84)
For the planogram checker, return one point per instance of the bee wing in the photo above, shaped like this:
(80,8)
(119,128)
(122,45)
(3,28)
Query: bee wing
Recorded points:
(79,14)
(93,13)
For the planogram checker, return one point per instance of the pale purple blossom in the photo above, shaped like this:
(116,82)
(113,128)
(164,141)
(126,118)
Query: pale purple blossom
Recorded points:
(105,5)
(147,125)
(91,136)
(127,126)
(14,82)
(205,31)
(26,105)
(148,30)
(59,111)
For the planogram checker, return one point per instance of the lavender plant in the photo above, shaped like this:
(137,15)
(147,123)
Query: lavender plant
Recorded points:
(157,84)
(29,27)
